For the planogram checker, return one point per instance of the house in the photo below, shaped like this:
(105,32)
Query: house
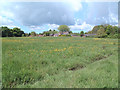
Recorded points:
(56,35)
(51,35)
(65,33)
(89,35)
(40,35)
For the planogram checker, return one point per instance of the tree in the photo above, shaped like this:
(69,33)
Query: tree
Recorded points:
(70,32)
(63,28)
(40,33)
(33,33)
(89,32)
(26,34)
(109,29)
(105,30)
(54,31)
(17,32)
(82,33)
(114,30)
(50,30)
(101,32)
(46,33)
(6,32)
(95,29)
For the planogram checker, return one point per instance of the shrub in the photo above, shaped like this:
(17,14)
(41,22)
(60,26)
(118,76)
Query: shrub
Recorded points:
(65,35)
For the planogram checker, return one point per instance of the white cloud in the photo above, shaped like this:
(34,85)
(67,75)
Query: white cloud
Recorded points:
(37,27)
(82,27)
(99,10)
(10,26)
(78,21)
(113,18)
(39,13)
(75,4)
(7,13)
(46,15)
(53,26)
(5,21)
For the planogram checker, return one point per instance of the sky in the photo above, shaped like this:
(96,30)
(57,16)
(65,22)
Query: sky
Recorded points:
(42,16)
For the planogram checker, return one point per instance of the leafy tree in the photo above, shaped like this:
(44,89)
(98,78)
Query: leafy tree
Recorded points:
(101,32)
(109,29)
(115,30)
(70,32)
(105,31)
(50,30)
(15,31)
(82,33)
(6,32)
(23,35)
(40,33)
(95,29)
(33,33)
(46,33)
(54,31)
(26,34)
(63,28)
(89,32)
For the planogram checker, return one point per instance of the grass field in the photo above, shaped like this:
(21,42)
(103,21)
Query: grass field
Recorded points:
(64,62)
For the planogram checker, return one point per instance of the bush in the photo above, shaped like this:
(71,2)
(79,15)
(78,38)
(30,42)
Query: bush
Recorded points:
(102,36)
(65,35)
(23,35)
(115,36)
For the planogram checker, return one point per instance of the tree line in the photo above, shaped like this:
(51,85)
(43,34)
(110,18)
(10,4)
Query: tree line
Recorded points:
(105,31)
(15,32)
(101,31)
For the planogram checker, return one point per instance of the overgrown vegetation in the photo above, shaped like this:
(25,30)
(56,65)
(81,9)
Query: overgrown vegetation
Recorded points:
(49,62)
(105,31)
(15,32)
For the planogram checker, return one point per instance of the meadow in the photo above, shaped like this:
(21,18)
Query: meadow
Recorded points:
(59,62)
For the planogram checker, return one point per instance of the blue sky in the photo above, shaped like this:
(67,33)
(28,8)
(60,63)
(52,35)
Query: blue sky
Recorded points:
(42,16)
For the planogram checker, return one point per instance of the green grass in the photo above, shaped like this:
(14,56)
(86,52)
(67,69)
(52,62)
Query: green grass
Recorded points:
(49,62)
(0,72)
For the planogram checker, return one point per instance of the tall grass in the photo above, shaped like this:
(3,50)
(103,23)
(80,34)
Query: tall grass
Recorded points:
(59,62)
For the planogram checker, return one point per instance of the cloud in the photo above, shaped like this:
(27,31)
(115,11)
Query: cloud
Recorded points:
(113,18)
(102,13)
(75,4)
(36,27)
(11,26)
(84,27)
(53,26)
(49,15)
(5,21)
(39,13)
